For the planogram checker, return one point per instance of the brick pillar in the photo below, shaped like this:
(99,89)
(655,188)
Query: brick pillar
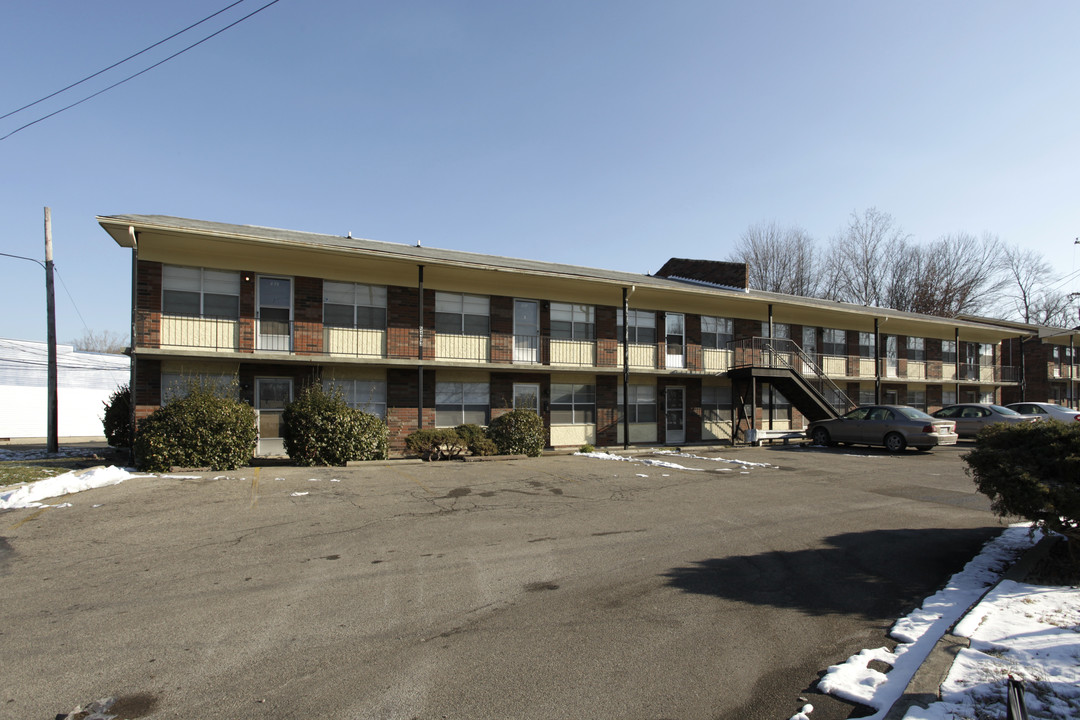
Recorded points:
(148,305)
(247,312)
(402,318)
(502,329)
(307,316)
(147,392)
(607,413)
(402,391)
(607,339)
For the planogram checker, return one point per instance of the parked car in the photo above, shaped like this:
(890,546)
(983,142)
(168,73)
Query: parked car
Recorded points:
(1046,411)
(894,426)
(970,418)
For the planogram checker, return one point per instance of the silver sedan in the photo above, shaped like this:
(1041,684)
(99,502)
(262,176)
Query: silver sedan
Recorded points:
(1047,411)
(970,418)
(894,426)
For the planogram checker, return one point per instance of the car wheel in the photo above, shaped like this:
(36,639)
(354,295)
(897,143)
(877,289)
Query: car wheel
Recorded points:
(820,436)
(894,442)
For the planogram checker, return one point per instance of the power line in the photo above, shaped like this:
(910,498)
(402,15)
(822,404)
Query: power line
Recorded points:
(73,303)
(141,72)
(121,62)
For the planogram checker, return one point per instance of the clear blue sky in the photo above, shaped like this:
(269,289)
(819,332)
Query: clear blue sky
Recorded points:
(610,133)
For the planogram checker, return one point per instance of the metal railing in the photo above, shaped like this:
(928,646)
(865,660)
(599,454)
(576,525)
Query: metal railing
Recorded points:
(784,353)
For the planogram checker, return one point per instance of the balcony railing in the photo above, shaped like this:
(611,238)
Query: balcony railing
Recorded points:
(246,335)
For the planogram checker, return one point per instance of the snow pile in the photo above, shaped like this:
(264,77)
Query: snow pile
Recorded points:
(31,494)
(643,461)
(855,681)
(1028,631)
(744,463)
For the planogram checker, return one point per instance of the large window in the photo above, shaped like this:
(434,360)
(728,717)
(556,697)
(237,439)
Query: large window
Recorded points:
(572,322)
(717,332)
(779,330)
(642,327)
(642,403)
(458,403)
(834,342)
(716,403)
(178,385)
(351,305)
(866,345)
(573,404)
(917,399)
(458,314)
(200,292)
(916,349)
(366,395)
(948,352)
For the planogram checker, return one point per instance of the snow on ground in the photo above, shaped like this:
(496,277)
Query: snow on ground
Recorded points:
(671,465)
(1030,631)
(643,461)
(31,494)
(744,463)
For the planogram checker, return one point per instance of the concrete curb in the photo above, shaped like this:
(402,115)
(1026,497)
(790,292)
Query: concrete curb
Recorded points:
(925,686)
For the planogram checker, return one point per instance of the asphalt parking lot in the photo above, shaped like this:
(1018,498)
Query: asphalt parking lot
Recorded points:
(556,587)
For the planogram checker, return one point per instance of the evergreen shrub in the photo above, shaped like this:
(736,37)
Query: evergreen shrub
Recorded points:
(321,429)
(476,440)
(117,419)
(435,444)
(518,432)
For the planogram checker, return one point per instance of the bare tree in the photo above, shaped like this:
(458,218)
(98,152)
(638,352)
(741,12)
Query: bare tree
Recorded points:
(860,258)
(104,341)
(778,259)
(1029,294)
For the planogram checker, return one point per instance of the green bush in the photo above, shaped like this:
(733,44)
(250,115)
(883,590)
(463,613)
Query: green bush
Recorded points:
(435,444)
(201,429)
(518,432)
(321,429)
(476,440)
(117,419)
(1032,471)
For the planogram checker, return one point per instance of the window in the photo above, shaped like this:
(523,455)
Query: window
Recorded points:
(366,395)
(917,399)
(459,403)
(716,403)
(834,342)
(642,403)
(642,327)
(866,345)
(986,355)
(717,332)
(779,330)
(867,397)
(987,396)
(457,314)
(809,340)
(572,322)
(351,305)
(948,353)
(177,385)
(916,349)
(948,397)
(200,292)
(573,404)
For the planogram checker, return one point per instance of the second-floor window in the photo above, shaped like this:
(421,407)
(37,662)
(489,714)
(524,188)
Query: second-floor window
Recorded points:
(833,341)
(916,350)
(352,305)
(459,314)
(717,332)
(809,340)
(641,330)
(866,345)
(572,322)
(948,353)
(200,292)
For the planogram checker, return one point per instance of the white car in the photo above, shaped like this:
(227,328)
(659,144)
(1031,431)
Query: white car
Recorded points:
(1047,411)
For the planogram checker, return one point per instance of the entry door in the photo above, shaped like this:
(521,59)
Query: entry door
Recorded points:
(675,415)
(526,331)
(676,340)
(892,362)
(274,313)
(527,396)
(271,397)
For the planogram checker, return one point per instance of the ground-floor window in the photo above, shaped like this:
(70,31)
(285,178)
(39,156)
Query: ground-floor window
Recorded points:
(573,404)
(642,402)
(527,397)
(366,395)
(177,385)
(917,399)
(867,396)
(458,403)
(948,397)
(716,403)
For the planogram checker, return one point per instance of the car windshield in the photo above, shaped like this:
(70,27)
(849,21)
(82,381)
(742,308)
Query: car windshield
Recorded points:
(1003,410)
(858,413)
(913,413)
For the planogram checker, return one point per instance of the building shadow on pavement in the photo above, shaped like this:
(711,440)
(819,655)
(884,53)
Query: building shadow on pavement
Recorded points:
(878,574)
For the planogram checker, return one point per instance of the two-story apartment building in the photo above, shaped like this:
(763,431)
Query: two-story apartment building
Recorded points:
(427,337)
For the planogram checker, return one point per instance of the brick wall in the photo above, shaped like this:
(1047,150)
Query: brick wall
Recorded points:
(308,316)
(607,418)
(148,304)
(402,318)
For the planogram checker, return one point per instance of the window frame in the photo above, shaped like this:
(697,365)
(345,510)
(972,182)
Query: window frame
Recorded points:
(373,292)
(451,317)
(582,322)
(916,349)
(637,404)
(174,274)
(455,396)
(720,329)
(582,405)
(642,322)
(350,391)
(829,343)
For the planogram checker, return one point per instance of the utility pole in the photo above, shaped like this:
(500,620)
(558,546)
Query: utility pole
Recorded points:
(50,311)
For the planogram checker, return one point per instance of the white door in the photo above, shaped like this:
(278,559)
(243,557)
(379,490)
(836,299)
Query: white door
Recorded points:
(675,415)
(273,313)
(527,396)
(271,397)
(892,364)
(676,340)
(526,331)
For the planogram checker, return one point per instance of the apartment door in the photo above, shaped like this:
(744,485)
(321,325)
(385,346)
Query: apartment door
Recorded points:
(892,357)
(526,331)
(271,397)
(676,340)
(675,415)
(273,314)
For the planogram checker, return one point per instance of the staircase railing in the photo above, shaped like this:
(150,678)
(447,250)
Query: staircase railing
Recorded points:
(764,352)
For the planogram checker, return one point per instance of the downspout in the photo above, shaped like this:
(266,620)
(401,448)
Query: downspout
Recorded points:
(134,329)
(956,342)
(626,365)
(877,361)
(420,348)
(1072,361)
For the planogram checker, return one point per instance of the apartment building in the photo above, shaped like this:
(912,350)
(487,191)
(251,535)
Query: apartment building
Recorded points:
(1047,365)
(427,337)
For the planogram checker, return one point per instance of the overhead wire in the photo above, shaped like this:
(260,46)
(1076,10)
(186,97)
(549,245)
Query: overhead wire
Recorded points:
(141,72)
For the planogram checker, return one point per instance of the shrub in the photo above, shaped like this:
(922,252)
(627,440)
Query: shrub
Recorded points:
(435,444)
(201,429)
(476,440)
(1031,470)
(587,448)
(518,432)
(117,419)
(321,429)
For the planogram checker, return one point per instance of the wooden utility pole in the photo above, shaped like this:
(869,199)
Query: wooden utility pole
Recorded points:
(50,311)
